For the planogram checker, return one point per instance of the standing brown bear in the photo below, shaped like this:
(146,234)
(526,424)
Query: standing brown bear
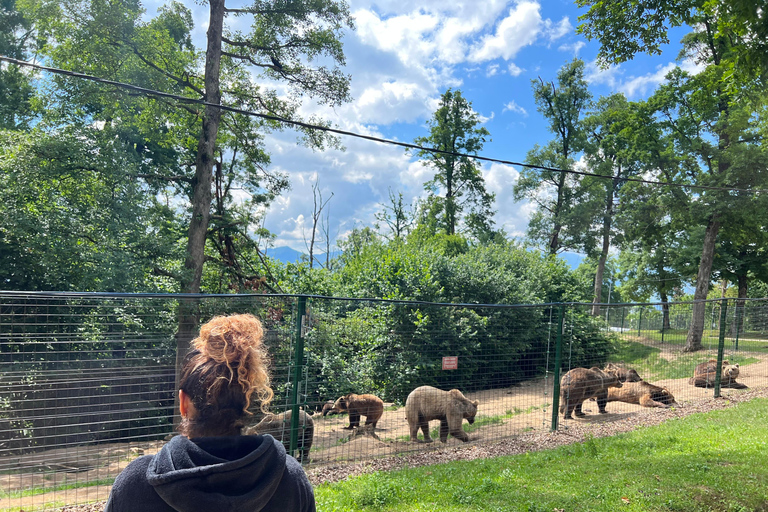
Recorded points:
(426,403)
(370,406)
(581,384)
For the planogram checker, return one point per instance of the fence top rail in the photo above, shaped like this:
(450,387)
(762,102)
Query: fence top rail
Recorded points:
(195,296)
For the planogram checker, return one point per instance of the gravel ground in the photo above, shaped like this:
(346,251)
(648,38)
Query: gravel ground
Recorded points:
(575,432)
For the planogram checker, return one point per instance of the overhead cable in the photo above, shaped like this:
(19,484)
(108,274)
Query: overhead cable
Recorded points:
(336,131)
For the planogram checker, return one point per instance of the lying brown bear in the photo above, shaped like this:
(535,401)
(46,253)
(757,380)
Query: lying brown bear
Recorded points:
(704,375)
(279,427)
(370,406)
(641,393)
(426,403)
(580,384)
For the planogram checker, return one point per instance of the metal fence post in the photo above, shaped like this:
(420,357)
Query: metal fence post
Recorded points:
(720,347)
(639,321)
(558,362)
(739,313)
(298,360)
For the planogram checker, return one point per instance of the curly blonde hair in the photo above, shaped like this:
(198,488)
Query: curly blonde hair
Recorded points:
(223,372)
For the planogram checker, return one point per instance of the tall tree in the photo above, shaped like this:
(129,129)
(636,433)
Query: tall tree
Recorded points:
(561,219)
(15,88)
(196,149)
(609,128)
(706,113)
(458,184)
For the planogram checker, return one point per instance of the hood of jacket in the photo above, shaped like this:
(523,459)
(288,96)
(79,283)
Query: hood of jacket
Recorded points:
(218,473)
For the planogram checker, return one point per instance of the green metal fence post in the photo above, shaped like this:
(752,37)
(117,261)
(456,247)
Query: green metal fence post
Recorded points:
(739,313)
(298,361)
(558,362)
(639,321)
(720,347)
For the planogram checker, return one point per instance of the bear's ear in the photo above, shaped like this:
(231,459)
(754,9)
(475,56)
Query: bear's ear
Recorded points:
(475,403)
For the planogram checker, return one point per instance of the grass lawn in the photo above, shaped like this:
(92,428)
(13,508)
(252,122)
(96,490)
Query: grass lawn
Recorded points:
(648,362)
(709,462)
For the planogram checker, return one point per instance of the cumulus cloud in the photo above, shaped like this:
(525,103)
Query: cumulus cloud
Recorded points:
(555,31)
(492,70)
(517,30)
(514,70)
(514,107)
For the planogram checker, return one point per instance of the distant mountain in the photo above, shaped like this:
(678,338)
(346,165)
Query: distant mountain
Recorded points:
(288,255)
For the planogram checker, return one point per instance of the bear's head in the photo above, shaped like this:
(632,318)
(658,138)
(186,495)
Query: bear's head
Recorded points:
(609,378)
(730,371)
(665,397)
(624,374)
(467,407)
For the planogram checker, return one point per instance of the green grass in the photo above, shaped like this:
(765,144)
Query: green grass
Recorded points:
(749,342)
(651,366)
(703,462)
(62,487)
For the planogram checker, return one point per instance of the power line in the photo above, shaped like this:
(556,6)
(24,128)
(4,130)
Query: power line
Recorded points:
(152,92)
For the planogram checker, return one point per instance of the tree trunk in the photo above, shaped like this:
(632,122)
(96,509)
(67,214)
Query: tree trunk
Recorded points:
(738,324)
(696,330)
(188,318)
(664,311)
(604,252)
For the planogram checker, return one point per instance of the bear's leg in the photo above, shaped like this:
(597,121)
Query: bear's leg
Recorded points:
(354,420)
(577,410)
(602,400)
(414,431)
(444,430)
(567,409)
(425,429)
(458,432)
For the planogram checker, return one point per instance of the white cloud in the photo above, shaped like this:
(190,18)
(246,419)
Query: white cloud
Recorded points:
(514,107)
(573,48)
(636,86)
(514,70)
(519,29)
(492,70)
(555,31)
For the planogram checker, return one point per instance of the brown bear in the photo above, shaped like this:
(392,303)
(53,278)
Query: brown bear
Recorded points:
(279,427)
(370,406)
(580,384)
(624,374)
(704,375)
(328,408)
(426,403)
(642,393)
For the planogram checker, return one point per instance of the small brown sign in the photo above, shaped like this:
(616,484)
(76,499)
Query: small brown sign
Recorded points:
(450,363)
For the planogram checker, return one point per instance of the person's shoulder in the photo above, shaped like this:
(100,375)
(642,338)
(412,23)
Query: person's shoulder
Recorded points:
(130,484)
(296,479)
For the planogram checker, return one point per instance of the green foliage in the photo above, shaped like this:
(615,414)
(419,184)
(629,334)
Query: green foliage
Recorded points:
(458,185)
(73,221)
(695,460)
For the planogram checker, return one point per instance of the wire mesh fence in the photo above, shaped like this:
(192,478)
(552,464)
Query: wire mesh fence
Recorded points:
(87,380)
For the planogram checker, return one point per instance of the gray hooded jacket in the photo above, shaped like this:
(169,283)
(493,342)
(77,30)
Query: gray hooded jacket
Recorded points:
(214,474)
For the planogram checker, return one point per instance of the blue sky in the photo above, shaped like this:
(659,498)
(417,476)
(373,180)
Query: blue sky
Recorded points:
(402,57)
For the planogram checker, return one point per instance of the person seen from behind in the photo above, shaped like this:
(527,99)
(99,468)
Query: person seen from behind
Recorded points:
(210,467)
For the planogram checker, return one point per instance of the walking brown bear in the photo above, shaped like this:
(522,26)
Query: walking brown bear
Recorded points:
(581,384)
(370,406)
(426,403)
